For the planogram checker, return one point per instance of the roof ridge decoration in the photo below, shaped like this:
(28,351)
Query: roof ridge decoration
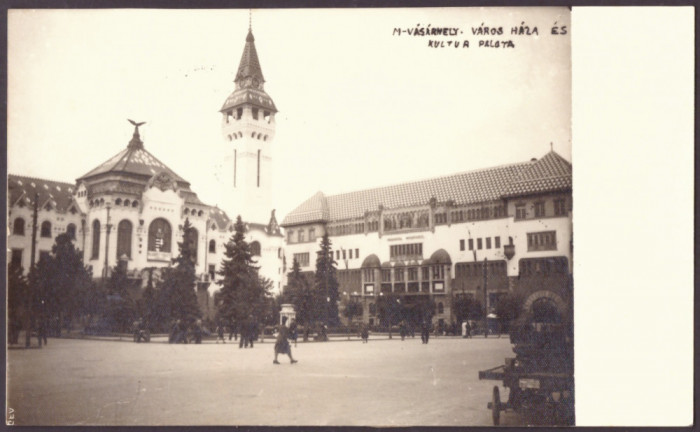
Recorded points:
(162,181)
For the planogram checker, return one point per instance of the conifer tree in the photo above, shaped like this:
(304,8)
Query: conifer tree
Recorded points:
(326,284)
(177,285)
(240,286)
(298,292)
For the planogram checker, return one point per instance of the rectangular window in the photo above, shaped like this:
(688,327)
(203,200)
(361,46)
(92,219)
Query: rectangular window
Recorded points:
(350,252)
(290,236)
(300,237)
(425,287)
(16,257)
(344,256)
(369,274)
(478,243)
(471,244)
(560,207)
(545,240)
(386,275)
(413,273)
(539,209)
(337,254)
(212,271)
(461,245)
(369,288)
(357,253)
(488,242)
(438,272)
(440,218)
(312,234)
(497,240)
(520,212)
(398,274)
(302,259)
(255,113)
(239,113)
(413,250)
(426,273)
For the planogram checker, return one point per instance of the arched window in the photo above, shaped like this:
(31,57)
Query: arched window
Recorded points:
(70,229)
(18,227)
(159,236)
(95,239)
(255,248)
(127,203)
(135,204)
(46,229)
(441,308)
(118,201)
(124,230)
(192,238)
(212,246)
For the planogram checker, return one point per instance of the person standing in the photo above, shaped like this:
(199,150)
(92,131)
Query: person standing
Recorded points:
(220,333)
(282,344)
(365,333)
(243,343)
(402,329)
(425,332)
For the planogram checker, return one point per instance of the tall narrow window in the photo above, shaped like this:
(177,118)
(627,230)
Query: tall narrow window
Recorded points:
(46,229)
(258,168)
(95,239)
(124,230)
(18,227)
(212,246)
(70,230)
(255,249)
(159,236)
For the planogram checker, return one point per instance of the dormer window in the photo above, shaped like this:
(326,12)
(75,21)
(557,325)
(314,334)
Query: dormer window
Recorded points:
(229,116)
(255,113)
(239,113)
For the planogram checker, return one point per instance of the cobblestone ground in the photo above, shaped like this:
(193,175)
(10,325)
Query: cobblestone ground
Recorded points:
(382,383)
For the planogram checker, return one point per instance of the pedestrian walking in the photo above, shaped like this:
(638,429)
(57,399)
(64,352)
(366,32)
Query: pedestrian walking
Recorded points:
(198,331)
(293,331)
(364,333)
(402,330)
(282,344)
(243,326)
(220,333)
(469,329)
(425,331)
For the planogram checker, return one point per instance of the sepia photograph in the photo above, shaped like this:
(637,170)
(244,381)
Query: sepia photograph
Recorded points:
(290,217)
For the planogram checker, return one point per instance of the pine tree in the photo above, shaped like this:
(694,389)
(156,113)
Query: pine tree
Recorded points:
(177,287)
(326,284)
(298,292)
(241,289)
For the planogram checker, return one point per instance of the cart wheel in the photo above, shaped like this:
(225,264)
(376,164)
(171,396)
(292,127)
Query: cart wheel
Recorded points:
(496,406)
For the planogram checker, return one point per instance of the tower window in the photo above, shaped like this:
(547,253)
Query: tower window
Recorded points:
(239,113)
(255,113)
(229,116)
(46,229)
(267,116)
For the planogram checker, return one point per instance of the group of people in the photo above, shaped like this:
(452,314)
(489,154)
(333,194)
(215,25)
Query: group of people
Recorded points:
(180,332)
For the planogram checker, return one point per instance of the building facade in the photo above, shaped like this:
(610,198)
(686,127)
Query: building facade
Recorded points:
(132,208)
(480,234)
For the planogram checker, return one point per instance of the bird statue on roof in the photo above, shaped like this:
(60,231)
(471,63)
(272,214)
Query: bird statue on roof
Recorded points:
(136,124)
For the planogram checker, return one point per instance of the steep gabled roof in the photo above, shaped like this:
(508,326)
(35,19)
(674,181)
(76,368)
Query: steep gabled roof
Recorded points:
(549,174)
(22,189)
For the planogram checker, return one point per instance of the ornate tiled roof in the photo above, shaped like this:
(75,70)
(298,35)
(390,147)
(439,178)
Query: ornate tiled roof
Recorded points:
(313,209)
(249,81)
(21,190)
(470,187)
(250,65)
(134,160)
(549,174)
(219,218)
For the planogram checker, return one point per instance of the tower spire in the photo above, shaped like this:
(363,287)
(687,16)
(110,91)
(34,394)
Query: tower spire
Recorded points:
(250,20)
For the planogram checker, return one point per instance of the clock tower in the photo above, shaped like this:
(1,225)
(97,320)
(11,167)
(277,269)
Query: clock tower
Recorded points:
(248,125)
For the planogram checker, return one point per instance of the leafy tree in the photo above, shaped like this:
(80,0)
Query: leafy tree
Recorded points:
(298,292)
(177,295)
(120,309)
(240,284)
(353,308)
(16,291)
(508,309)
(466,308)
(390,310)
(57,281)
(326,284)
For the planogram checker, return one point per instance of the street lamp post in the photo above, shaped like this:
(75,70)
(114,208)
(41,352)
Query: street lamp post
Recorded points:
(109,229)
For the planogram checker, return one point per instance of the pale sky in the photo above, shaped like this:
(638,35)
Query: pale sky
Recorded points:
(358,106)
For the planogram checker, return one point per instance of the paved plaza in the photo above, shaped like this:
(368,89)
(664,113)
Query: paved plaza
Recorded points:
(382,383)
